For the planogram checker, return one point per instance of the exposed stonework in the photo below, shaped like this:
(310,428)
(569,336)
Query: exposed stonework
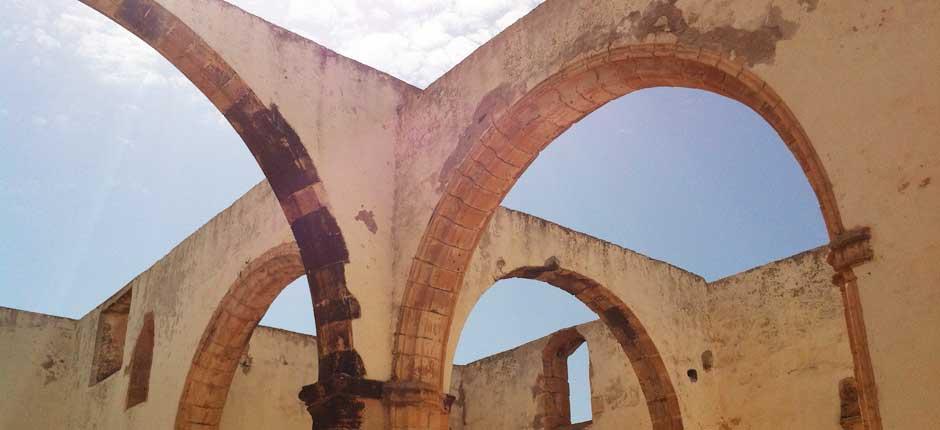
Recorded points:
(392,286)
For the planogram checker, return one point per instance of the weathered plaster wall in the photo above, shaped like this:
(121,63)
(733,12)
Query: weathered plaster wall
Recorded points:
(37,369)
(182,290)
(668,301)
(879,150)
(780,347)
(617,401)
(457,410)
(346,115)
(497,392)
(264,391)
(778,340)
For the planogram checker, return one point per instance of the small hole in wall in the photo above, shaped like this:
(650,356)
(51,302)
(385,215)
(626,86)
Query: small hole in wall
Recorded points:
(708,360)
(693,375)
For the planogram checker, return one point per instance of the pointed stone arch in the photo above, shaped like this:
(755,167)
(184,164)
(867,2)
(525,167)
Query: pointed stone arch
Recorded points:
(291,173)
(512,125)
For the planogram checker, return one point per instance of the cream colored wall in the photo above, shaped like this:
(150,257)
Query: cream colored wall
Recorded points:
(37,369)
(617,402)
(860,76)
(182,290)
(264,392)
(346,114)
(780,345)
(777,335)
(457,409)
(497,392)
(667,300)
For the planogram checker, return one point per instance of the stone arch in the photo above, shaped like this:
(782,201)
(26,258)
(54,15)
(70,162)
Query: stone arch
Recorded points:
(553,403)
(512,126)
(228,332)
(644,357)
(283,159)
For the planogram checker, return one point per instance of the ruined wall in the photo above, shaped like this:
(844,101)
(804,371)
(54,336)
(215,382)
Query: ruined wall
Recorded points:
(780,347)
(778,344)
(37,369)
(182,290)
(264,391)
(497,392)
(879,154)
(617,401)
(346,116)
(40,378)
(668,301)
(879,150)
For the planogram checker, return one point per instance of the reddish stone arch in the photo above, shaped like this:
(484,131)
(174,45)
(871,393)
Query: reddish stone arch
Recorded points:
(651,372)
(289,170)
(552,390)
(510,133)
(229,331)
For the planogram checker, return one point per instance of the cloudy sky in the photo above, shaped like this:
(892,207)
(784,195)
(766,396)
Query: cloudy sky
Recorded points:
(94,191)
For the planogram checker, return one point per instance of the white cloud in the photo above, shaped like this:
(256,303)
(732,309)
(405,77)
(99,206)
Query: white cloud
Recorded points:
(113,53)
(416,40)
(45,40)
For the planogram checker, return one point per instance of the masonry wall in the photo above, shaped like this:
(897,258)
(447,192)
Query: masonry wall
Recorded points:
(668,301)
(878,148)
(780,345)
(776,334)
(37,369)
(40,379)
(879,152)
(270,374)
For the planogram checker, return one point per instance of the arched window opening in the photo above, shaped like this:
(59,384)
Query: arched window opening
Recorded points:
(579,384)
(292,309)
(138,387)
(513,312)
(506,329)
(109,340)
(258,356)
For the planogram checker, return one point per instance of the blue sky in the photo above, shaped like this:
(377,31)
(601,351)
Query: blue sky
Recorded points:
(94,191)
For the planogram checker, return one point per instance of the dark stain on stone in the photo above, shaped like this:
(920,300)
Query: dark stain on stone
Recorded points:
(755,46)
(618,322)
(924,183)
(368,218)
(339,309)
(729,424)
(274,144)
(489,104)
(708,360)
(50,370)
(319,239)
(903,186)
(146,19)
(342,362)
(245,363)
(810,5)
(48,363)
